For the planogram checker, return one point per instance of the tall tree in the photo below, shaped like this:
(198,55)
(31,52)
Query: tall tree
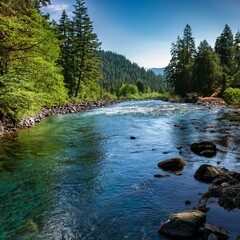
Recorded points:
(206,70)
(86,46)
(67,51)
(224,48)
(236,57)
(178,72)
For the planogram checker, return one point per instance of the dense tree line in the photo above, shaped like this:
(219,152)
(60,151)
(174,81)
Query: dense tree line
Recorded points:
(204,70)
(121,75)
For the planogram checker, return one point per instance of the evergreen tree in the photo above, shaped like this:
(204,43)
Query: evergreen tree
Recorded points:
(118,70)
(224,48)
(236,57)
(85,45)
(67,51)
(178,72)
(206,70)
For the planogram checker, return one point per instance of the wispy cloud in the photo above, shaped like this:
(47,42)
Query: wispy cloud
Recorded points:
(55,10)
(57,7)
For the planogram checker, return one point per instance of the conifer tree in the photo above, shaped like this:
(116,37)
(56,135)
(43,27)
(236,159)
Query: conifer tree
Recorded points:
(67,52)
(224,48)
(236,57)
(86,45)
(178,72)
(206,70)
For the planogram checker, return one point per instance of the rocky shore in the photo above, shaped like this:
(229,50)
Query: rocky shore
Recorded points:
(57,110)
(224,187)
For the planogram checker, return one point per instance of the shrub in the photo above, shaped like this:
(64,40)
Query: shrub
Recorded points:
(232,96)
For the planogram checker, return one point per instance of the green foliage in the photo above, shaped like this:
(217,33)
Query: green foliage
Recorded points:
(79,53)
(29,77)
(204,71)
(118,70)
(232,96)
(179,70)
(207,71)
(128,90)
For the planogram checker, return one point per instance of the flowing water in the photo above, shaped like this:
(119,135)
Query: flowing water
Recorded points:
(81,176)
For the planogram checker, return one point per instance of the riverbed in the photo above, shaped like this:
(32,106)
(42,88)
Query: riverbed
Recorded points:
(90,175)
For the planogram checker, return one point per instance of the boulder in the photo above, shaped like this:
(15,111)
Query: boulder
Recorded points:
(230,199)
(207,173)
(211,231)
(206,149)
(172,164)
(183,225)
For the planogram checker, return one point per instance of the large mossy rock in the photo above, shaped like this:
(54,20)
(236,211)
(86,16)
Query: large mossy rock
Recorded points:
(205,148)
(207,173)
(172,164)
(183,225)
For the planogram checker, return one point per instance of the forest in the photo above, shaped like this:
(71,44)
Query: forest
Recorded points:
(205,71)
(44,63)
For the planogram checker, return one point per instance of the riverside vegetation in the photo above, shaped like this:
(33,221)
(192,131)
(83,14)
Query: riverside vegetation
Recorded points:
(44,64)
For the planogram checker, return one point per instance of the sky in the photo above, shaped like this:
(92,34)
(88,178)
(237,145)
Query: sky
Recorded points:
(143,30)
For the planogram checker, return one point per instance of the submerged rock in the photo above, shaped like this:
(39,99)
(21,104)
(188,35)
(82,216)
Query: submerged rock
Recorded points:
(172,164)
(183,225)
(205,148)
(159,175)
(206,173)
(211,231)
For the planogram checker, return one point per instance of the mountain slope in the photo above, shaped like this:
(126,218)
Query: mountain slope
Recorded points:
(118,70)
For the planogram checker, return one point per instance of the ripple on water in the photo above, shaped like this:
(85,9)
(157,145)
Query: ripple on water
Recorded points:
(81,176)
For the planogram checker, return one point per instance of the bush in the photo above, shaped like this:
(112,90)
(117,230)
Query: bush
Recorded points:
(232,96)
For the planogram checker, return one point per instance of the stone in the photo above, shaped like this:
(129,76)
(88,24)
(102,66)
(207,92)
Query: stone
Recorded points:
(206,173)
(172,164)
(211,231)
(230,199)
(183,225)
(158,175)
(205,148)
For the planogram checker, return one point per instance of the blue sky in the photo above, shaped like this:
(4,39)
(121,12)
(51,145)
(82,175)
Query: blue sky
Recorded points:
(143,30)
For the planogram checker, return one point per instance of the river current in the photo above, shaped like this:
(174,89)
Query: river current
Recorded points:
(82,176)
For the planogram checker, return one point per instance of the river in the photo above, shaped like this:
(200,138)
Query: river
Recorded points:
(82,176)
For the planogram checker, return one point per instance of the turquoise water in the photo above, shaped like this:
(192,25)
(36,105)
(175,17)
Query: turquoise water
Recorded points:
(80,176)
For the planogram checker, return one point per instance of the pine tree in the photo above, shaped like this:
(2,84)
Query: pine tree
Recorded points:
(206,70)
(224,48)
(86,46)
(236,57)
(67,52)
(178,72)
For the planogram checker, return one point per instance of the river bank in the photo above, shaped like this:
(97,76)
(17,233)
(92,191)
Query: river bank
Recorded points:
(69,108)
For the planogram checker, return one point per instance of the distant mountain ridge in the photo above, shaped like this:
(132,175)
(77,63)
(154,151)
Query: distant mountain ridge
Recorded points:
(158,71)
